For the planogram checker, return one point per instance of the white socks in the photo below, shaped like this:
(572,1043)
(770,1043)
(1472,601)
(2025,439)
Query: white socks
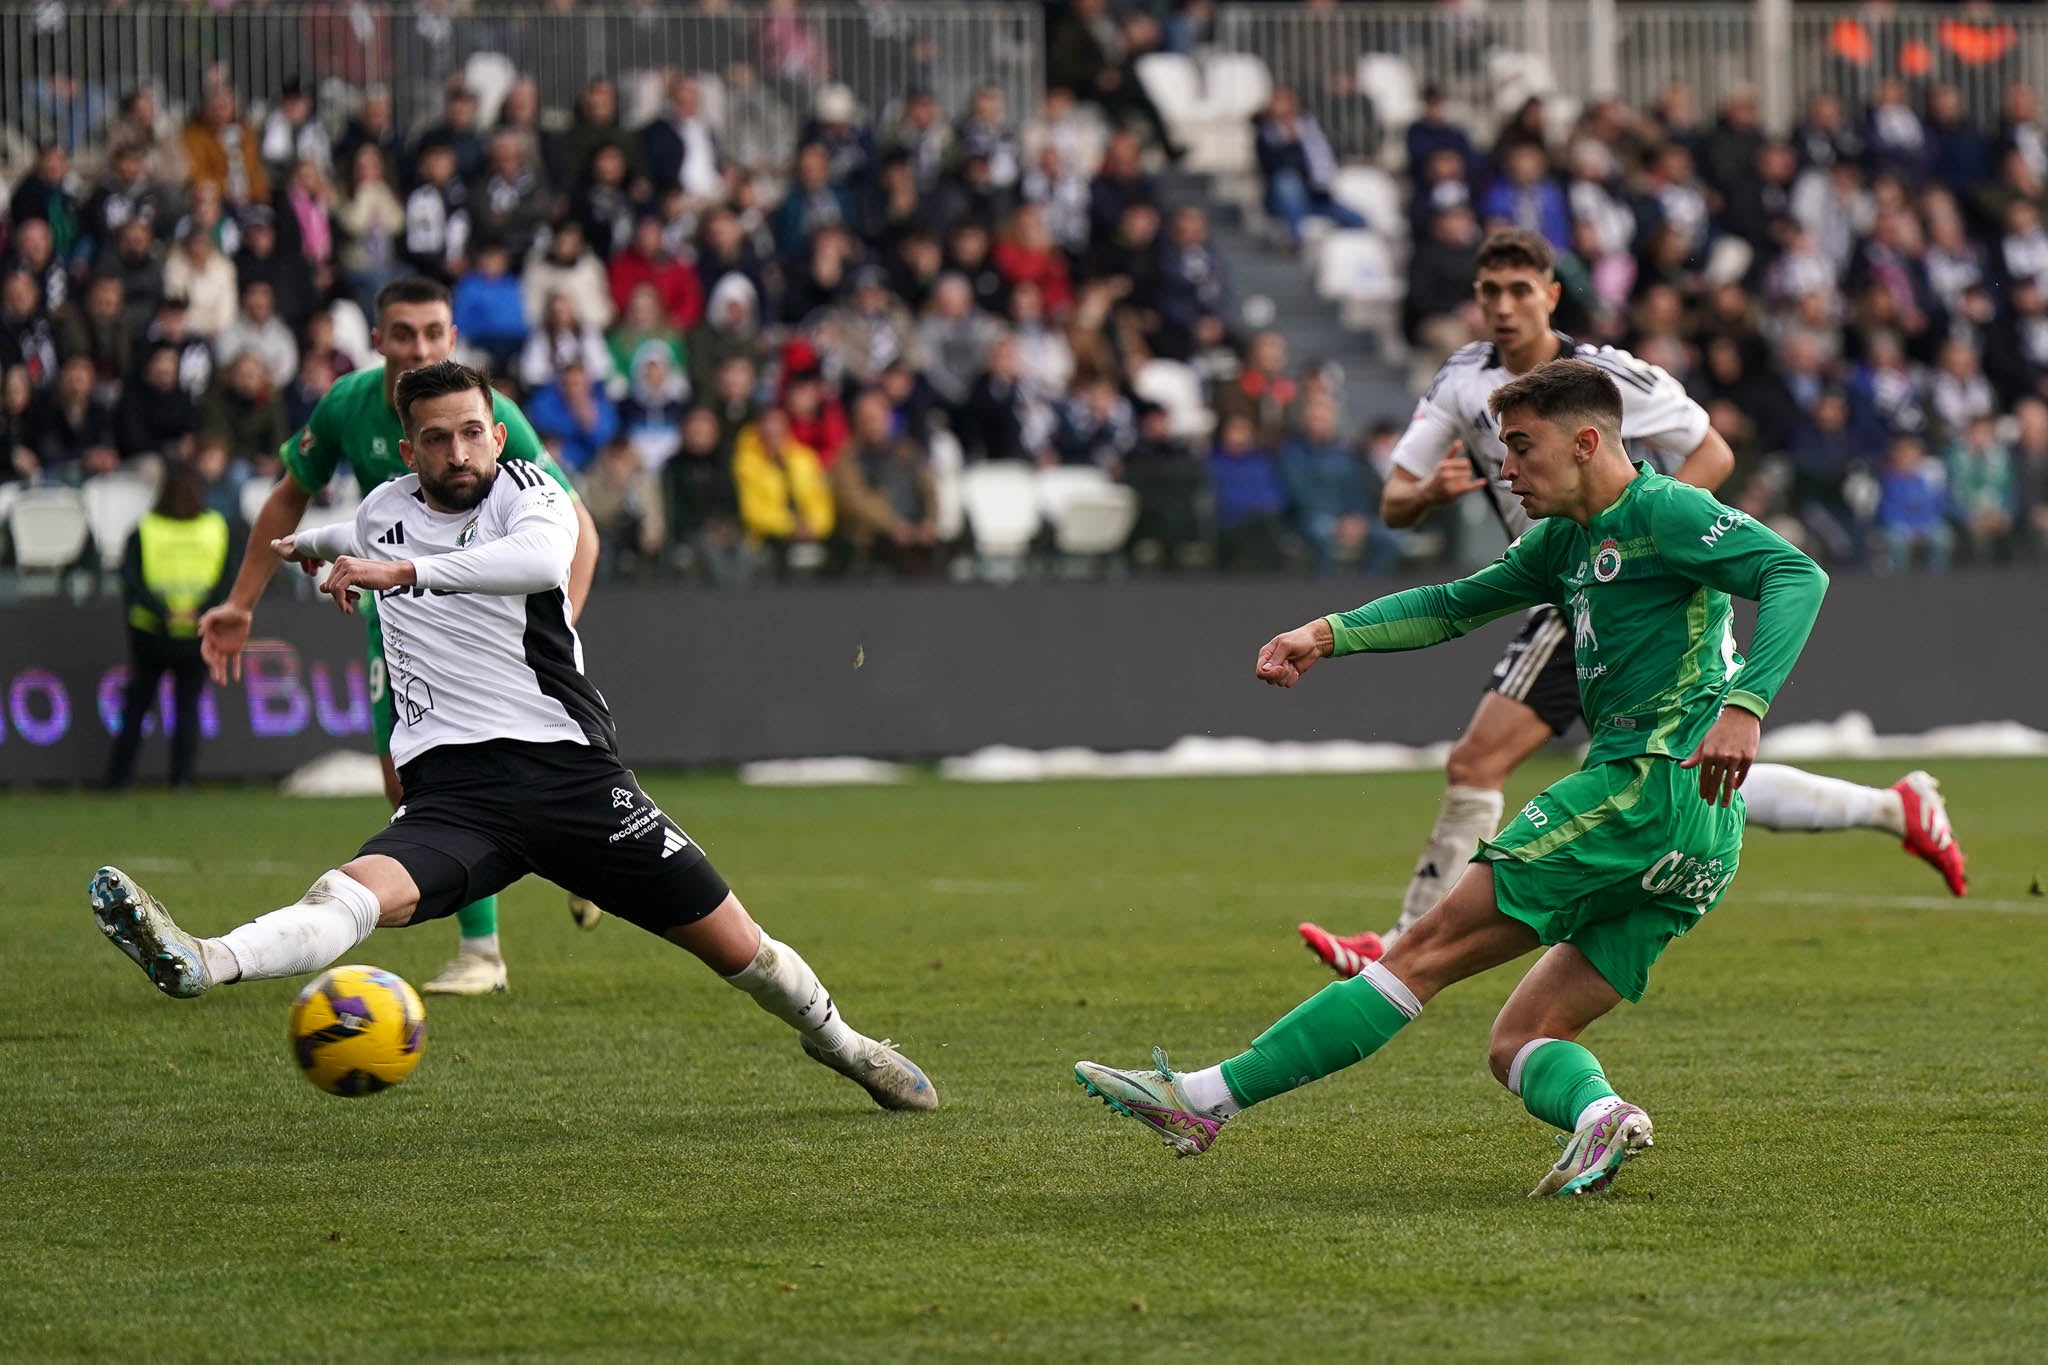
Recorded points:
(1208,1094)
(1598,1109)
(485,946)
(1785,798)
(334,915)
(783,983)
(1468,815)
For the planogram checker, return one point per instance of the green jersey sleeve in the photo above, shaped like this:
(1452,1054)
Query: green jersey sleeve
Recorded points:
(522,442)
(1703,539)
(313,452)
(1427,616)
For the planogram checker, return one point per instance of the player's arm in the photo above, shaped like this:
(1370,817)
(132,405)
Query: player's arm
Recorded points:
(533,555)
(1709,464)
(1430,468)
(522,442)
(1416,618)
(1659,414)
(1732,551)
(310,457)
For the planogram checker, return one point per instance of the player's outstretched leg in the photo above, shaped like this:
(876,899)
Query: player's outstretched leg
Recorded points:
(478,967)
(1345,1022)
(336,913)
(778,979)
(1791,799)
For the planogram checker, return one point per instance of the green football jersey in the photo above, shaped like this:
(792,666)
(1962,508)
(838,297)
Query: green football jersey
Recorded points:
(1646,585)
(354,422)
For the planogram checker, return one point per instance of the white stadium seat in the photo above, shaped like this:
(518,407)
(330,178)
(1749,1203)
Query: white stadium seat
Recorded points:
(352,333)
(114,503)
(1357,269)
(490,77)
(255,493)
(1000,498)
(1174,84)
(948,462)
(1372,192)
(49,529)
(1089,514)
(1178,389)
(1388,84)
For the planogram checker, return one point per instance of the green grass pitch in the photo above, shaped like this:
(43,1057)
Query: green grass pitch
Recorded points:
(624,1159)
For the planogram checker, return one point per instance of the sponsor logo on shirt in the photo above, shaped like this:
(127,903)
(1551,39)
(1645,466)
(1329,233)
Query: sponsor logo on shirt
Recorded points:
(1688,878)
(621,798)
(1723,524)
(1582,623)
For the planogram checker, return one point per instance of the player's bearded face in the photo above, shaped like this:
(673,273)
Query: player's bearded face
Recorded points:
(454,447)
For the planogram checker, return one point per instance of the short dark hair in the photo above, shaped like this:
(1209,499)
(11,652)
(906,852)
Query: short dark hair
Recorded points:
(412,289)
(1512,248)
(1571,392)
(438,381)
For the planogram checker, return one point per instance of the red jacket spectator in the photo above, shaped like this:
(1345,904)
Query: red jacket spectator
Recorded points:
(645,262)
(1028,252)
(815,415)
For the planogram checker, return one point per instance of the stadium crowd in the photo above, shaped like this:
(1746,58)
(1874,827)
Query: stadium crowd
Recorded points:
(750,365)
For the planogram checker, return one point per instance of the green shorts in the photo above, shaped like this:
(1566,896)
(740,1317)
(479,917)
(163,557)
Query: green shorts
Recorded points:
(381,717)
(1617,860)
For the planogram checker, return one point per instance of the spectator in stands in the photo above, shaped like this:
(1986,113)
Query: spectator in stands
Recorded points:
(997,421)
(510,202)
(371,127)
(1895,140)
(1061,192)
(28,340)
(646,261)
(723,249)
(372,224)
(596,125)
(1097,426)
(320,344)
(141,125)
(289,276)
(985,132)
(883,488)
(158,416)
(656,402)
(456,130)
(1912,509)
(490,308)
(969,254)
(172,327)
(43,196)
(2030,456)
(1262,390)
(1251,498)
(437,216)
(1728,152)
(18,411)
(574,416)
(813,201)
(784,499)
(625,503)
(1119,182)
(1170,483)
(561,340)
(703,501)
(730,330)
(679,148)
(954,337)
(34,252)
(1960,393)
(1887,392)
(1825,451)
(305,220)
(245,410)
(258,331)
(1194,289)
(816,418)
(314,378)
(1045,360)
(1298,166)
(1027,254)
(835,127)
(1983,490)
(292,133)
(921,139)
(135,262)
(1090,53)
(1434,133)
(1525,196)
(816,279)
(75,431)
(606,205)
(124,193)
(174,567)
(643,325)
(98,329)
(568,269)
(1676,199)
(1958,151)
(221,477)
(198,273)
(225,152)
(871,331)
(892,206)
(1326,487)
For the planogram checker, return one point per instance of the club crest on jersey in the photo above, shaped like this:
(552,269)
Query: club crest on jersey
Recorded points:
(379,446)
(467,534)
(1606,562)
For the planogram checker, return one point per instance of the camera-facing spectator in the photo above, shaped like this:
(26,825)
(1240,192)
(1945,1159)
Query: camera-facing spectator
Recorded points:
(258,331)
(567,267)
(1983,490)
(573,415)
(625,503)
(1251,498)
(224,151)
(703,500)
(886,497)
(157,416)
(245,410)
(784,498)
(1911,526)
(373,224)
(75,430)
(490,307)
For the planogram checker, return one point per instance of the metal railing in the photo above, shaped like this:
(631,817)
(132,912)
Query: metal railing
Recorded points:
(65,67)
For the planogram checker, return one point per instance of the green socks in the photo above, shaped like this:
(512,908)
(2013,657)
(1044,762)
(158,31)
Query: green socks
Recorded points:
(478,919)
(1343,1023)
(1557,1080)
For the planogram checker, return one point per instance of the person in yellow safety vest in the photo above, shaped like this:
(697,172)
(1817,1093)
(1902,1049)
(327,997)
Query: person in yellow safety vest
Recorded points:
(175,567)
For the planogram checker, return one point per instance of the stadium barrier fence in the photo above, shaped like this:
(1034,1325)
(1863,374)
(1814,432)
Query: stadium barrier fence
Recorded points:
(699,676)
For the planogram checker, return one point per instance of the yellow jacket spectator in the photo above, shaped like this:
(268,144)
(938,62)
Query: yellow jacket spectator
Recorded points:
(784,497)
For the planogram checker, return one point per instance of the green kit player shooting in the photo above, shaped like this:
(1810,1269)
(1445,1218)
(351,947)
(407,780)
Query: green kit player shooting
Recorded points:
(356,424)
(1606,866)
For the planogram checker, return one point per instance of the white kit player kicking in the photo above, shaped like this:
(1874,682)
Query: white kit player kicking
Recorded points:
(1450,450)
(507,753)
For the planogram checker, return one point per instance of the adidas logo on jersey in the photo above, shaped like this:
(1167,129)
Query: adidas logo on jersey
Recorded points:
(394,536)
(672,842)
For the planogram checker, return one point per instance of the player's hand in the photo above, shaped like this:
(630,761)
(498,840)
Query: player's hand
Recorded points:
(223,631)
(1452,478)
(351,575)
(1286,657)
(1725,755)
(287,548)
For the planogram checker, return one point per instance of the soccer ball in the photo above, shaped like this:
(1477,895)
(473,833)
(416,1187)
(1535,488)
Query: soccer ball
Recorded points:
(357,1030)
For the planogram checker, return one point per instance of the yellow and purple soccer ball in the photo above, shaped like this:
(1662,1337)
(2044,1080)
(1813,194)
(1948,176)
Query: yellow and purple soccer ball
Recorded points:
(358,1030)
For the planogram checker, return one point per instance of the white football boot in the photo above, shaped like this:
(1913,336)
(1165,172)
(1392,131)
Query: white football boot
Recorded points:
(468,974)
(891,1078)
(139,926)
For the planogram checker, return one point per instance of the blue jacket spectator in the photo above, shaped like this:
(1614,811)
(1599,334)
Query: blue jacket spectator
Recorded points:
(490,309)
(1297,164)
(1527,197)
(573,416)
(1912,508)
(1435,132)
(1194,287)
(1962,154)
(1251,498)
(1326,485)
(813,201)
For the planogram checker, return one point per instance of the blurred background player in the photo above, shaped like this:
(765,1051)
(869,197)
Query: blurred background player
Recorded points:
(356,423)
(1451,449)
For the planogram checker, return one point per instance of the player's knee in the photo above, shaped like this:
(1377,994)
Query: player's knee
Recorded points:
(1503,1047)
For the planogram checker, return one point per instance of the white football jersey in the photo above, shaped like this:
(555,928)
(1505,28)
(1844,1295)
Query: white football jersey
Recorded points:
(1659,422)
(481,647)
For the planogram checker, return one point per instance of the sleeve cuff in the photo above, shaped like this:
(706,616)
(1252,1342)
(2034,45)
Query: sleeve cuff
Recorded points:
(1748,701)
(1339,645)
(423,572)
